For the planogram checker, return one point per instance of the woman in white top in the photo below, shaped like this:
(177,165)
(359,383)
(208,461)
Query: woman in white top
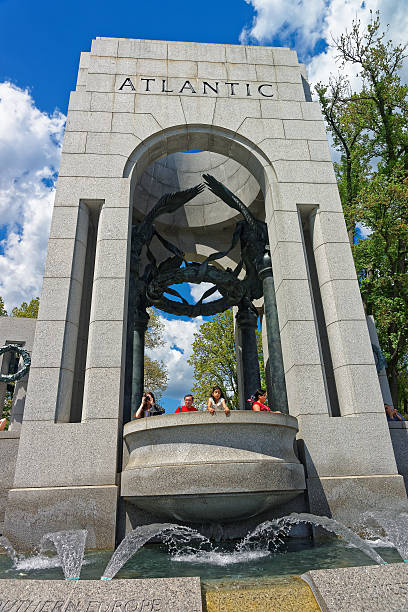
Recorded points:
(216,401)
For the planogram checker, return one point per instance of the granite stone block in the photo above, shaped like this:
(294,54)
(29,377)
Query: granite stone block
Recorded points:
(91,164)
(230,113)
(103,102)
(60,300)
(307,130)
(299,344)
(328,227)
(289,262)
(306,390)
(181,69)
(86,454)
(353,589)
(350,343)
(142,48)
(123,102)
(74,142)
(33,512)
(294,301)
(304,172)
(324,195)
(142,125)
(113,224)
(103,65)
(42,392)
(260,55)
(8,459)
(198,110)
(65,224)
(290,91)
(65,258)
(105,344)
(284,149)
(79,101)
(288,74)
(110,260)
(108,297)
(341,301)
(277,109)
(334,261)
(105,46)
(260,129)
(191,51)
(358,390)
(147,595)
(241,72)
(111,144)
(100,82)
(319,150)
(311,111)
(102,394)
(359,434)
(211,70)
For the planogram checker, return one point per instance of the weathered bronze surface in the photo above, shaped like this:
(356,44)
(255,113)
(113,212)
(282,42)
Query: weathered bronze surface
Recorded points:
(14,348)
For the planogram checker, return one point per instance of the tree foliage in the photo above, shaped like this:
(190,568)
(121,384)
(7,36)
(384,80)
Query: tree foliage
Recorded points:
(370,130)
(155,371)
(27,310)
(3,311)
(214,360)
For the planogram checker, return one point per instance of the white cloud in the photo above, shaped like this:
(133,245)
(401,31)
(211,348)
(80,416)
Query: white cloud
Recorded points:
(180,334)
(30,147)
(198,290)
(307,22)
(302,19)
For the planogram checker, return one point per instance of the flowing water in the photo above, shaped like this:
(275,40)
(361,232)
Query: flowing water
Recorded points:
(265,553)
(70,547)
(138,537)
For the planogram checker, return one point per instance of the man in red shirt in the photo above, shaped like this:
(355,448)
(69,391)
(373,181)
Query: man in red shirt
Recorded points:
(188,405)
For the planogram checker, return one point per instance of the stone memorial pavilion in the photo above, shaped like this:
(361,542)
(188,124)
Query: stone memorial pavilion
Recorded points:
(149,118)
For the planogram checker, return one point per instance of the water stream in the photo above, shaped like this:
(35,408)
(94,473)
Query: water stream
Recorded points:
(139,536)
(70,547)
(4,543)
(187,547)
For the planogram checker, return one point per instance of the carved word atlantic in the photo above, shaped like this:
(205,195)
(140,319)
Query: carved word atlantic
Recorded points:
(231,88)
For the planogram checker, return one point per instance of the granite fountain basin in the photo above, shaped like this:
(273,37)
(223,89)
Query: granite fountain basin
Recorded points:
(199,467)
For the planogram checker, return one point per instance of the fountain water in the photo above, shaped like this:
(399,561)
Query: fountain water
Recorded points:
(394,525)
(4,543)
(70,547)
(139,536)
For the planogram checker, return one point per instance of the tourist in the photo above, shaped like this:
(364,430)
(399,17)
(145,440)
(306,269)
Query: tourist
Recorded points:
(188,404)
(216,401)
(3,423)
(392,414)
(148,407)
(258,402)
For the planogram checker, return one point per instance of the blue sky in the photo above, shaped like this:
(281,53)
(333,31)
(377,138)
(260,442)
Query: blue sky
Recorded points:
(40,44)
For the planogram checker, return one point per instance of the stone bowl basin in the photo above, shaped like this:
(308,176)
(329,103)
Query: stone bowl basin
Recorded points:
(199,467)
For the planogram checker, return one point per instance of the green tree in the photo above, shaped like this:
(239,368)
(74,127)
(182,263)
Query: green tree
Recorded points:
(3,311)
(214,359)
(155,371)
(370,131)
(27,310)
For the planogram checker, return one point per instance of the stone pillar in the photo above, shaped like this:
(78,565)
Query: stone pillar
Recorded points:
(238,353)
(19,397)
(278,398)
(247,322)
(355,374)
(138,344)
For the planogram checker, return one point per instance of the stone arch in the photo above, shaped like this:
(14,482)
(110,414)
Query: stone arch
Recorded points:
(206,137)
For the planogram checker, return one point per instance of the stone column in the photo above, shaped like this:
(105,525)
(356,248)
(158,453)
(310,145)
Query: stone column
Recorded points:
(247,320)
(138,344)
(355,374)
(238,353)
(278,397)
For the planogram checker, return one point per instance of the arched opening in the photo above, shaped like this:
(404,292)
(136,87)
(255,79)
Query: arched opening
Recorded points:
(221,224)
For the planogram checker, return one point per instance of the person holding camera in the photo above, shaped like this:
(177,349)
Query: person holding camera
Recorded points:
(148,407)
